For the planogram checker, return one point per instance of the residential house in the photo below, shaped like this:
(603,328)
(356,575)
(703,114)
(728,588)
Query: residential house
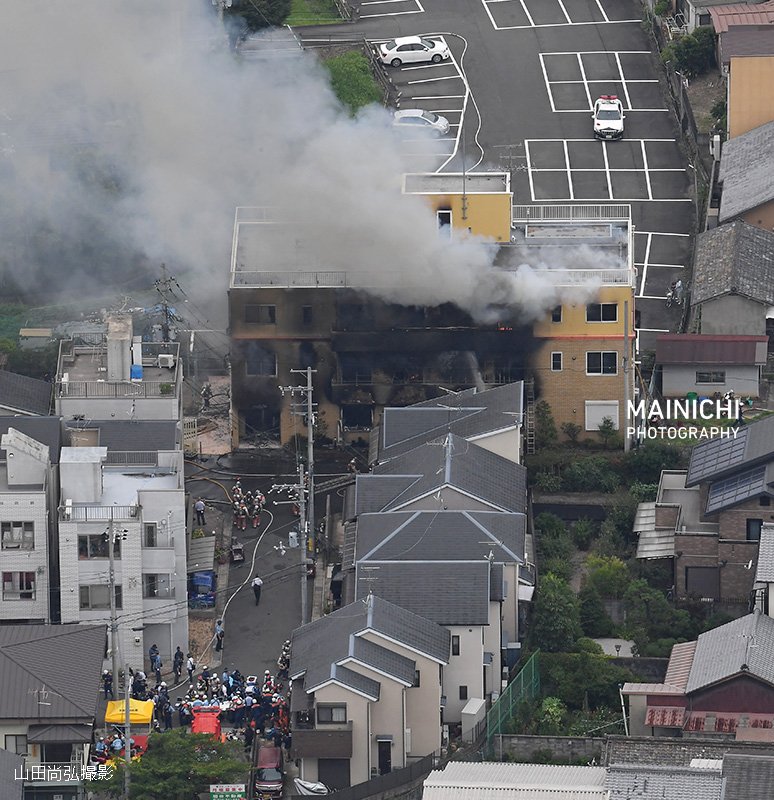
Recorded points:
(492,419)
(733,279)
(746,167)
(748,777)
(728,15)
(720,685)
(706,364)
(29,492)
(698,13)
(366,691)
(121,377)
(11,766)
(22,395)
(655,782)
(763,590)
(125,479)
(709,518)
(49,676)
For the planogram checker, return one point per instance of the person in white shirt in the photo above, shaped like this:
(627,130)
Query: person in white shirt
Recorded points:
(256,584)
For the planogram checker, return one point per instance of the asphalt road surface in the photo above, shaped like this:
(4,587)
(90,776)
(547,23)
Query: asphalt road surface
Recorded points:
(519,93)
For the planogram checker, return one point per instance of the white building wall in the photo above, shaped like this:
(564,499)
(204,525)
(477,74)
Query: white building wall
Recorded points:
(503,443)
(466,669)
(510,605)
(492,640)
(27,507)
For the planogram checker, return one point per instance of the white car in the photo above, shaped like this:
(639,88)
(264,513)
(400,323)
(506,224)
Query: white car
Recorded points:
(608,117)
(416,119)
(413,50)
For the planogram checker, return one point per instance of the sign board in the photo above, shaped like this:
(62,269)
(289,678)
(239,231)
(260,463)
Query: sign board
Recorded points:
(227,791)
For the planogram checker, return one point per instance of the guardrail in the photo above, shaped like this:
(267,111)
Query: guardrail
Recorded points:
(83,513)
(584,213)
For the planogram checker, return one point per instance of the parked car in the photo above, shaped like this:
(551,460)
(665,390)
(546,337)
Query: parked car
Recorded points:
(417,119)
(268,773)
(608,117)
(413,50)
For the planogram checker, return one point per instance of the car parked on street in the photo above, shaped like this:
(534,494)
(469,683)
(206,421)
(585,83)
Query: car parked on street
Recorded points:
(608,117)
(411,119)
(413,50)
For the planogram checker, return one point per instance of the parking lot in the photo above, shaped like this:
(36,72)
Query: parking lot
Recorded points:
(522,14)
(519,93)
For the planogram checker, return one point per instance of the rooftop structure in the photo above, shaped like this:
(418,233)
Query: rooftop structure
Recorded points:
(20,394)
(425,183)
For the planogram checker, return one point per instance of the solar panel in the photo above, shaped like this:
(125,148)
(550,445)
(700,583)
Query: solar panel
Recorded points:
(729,491)
(716,456)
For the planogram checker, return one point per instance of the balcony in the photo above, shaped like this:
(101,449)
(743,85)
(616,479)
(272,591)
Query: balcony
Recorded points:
(324,741)
(80,512)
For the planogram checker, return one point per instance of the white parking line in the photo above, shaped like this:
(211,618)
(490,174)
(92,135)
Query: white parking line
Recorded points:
(660,233)
(564,11)
(585,83)
(614,169)
(607,172)
(645,264)
(419,9)
(569,173)
(529,16)
(432,80)
(623,81)
(529,170)
(439,97)
(645,164)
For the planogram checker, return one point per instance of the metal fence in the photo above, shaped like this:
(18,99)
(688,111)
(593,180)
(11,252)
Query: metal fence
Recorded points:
(525,686)
(585,213)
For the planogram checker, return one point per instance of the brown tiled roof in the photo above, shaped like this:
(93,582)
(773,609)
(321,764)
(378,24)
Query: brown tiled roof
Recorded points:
(697,348)
(680,662)
(723,17)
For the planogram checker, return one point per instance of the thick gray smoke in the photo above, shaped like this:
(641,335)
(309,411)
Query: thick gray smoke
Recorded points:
(129,133)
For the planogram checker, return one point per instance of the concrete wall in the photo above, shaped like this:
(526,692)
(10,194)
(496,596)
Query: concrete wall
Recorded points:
(733,315)
(562,748)
(750,103)
(506,444)
(678,379)
(510,606)
(493,644)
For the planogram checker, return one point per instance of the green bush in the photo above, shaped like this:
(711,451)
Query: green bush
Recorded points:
(257,14)
(593,617)
(555,618)
(551,716)
(582,679)
(590,474)
(650,617)
(587,645)
(609,575)
(352,81)
(571,431)
(643,492)
(545,427)
(645,463)
(608,432)
(583,532)
(561,567)
(694,54)
(551,538)
(548,482)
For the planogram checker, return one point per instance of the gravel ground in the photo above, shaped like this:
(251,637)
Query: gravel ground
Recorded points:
(704,92)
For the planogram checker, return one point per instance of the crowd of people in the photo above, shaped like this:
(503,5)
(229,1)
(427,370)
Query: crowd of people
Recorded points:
(247,506)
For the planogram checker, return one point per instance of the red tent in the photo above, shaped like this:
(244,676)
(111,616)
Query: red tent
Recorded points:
(205,720)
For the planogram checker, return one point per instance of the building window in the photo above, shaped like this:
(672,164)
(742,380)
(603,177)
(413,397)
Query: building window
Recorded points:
(306,315)
(444,223)
(260,315)
(556,362)
(95,545)
(98,596)
(18,586)
(718,376)
(150,534)
(416,678)
(463,692)
(556,314)
(602,363)
(156,586)
(705,19)
(331,714)
(356,416)
(754,530)
(260,361)
(602,312)
(455,645)
(18,535)
(16,743)
(765,501)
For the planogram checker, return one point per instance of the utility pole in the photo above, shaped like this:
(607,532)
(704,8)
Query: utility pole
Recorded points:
(127,732)
(299,490)
(113,616)
(306,528)
(165,288)
(626,353)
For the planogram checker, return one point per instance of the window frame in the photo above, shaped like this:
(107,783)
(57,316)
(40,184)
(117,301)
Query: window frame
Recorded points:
(556,314)
(26,541)
(20,586)
(101,539)
(90,606)
(262,373)
(710,377)
(463,692)
(752,535)
(332,707)
(455,644)
(268,310)
(554,368)
(602,307)
(16,737)
(602,354)
(150,528)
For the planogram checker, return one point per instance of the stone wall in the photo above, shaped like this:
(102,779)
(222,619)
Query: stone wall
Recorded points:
(562,749)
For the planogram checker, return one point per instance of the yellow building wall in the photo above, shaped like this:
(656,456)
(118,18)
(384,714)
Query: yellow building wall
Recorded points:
(761,216)
(750,98)
(484,214)
(567,390)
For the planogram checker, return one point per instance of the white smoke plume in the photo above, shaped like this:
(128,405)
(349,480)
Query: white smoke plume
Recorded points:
(129,133)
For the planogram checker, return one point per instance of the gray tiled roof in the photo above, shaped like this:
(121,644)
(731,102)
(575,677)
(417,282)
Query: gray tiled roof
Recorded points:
(719,458)
(46,430)
(449,593)
(356,681)
(453,461)
(764,572)
(131,435)
(747,40)
(748,777)
(320,645)
(440,535)
(375,492)
(740,486)
(11,788)
(734,259)
(744,645)
(629,781)
(46,657)
(382,659)
(747,163)
(467,414)
(20,393)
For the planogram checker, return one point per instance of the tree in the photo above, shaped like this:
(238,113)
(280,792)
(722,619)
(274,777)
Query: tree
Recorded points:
(583,532)
(551,716)
(571,431)
(607,431)
(591,474)
(253,15)
(593,617)
(179,765)
(650,617)
(646,462)
(609,575)
(545,427)
(555,620)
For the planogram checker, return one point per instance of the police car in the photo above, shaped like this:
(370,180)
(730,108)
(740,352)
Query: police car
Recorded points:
(608,117)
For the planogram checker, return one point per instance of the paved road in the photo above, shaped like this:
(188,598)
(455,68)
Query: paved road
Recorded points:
(526,73)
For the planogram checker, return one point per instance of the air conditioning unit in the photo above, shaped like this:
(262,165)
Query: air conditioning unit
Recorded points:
(715,147)
(165,361)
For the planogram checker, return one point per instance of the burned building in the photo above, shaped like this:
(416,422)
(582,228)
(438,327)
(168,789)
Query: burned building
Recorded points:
(370,347)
